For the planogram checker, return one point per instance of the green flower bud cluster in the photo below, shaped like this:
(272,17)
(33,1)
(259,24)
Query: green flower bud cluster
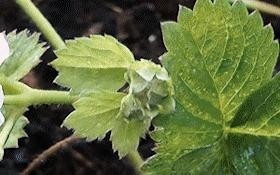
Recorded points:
(150,91)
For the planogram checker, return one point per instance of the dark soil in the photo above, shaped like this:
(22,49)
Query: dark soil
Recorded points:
(136,23)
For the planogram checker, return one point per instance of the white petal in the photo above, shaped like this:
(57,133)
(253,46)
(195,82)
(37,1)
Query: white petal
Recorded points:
(4,48)
(2,119)
(1,96)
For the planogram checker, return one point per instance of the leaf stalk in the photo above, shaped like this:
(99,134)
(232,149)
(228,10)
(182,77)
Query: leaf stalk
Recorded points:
(261,6)
(42,23)
(4,134)
(36,97)
(137,161)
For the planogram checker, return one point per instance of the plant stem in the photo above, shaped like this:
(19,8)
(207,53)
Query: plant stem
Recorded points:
(36,97)
(13,87)
(136,160)
(42,23)
(262,6)
(8,126)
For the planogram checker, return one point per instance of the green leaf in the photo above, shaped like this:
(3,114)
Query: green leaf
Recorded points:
(93,64)
(218,55)
(258,123)
(12,129)
(179,134)
(95,114)
(25,53)
(17,132)
(99,66)
(126,134)
(98,113)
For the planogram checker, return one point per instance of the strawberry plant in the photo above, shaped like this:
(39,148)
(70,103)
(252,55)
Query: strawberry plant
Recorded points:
(214,102)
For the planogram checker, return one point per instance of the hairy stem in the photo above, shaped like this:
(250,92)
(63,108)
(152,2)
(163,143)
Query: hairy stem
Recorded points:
(136,160)
(12,86)
(36,97)
(6,130)
(262,6)
(42,23)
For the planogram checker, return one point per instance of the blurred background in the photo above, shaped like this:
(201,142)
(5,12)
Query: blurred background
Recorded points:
(136,23)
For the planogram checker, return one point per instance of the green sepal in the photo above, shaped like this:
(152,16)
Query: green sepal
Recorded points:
(150,91)
(25,53)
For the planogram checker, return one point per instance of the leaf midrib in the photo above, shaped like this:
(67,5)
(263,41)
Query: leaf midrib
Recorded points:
(212,78)
(246,131)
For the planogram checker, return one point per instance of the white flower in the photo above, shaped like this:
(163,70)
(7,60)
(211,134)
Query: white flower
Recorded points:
(2,119)
(4,48)
(4,54)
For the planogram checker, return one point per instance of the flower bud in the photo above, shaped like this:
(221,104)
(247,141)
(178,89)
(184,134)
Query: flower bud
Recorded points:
(150,91)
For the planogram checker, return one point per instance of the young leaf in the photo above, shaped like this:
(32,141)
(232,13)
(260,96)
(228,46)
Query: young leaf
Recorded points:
(97,67)
(92,64)
(25,53)
(126,134)
(98,113)
(12,129)
(95,114)
(217,56)
(17,132)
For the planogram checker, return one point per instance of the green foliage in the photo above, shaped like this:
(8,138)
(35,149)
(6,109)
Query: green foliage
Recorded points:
(218,56)
(150,94)
(127,132)
(16,132)
(92,64)
(25,53)
(150,91)
(96,68)
(259,119)
(98,113)
(95,114)
(12,129)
